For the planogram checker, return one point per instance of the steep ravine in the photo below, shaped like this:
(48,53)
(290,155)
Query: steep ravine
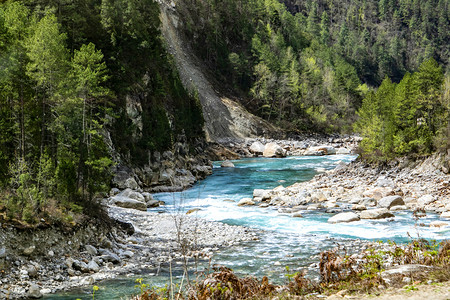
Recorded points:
(224,118)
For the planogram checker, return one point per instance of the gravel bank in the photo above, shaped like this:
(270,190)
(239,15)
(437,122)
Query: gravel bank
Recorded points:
(36,263)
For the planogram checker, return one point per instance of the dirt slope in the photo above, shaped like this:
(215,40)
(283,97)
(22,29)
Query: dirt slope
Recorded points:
(224,118)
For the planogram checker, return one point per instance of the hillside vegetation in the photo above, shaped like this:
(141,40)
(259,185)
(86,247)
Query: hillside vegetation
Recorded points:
(309,64)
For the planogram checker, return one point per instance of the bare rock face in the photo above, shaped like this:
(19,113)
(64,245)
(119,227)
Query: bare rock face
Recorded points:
(273,150)
(378,213)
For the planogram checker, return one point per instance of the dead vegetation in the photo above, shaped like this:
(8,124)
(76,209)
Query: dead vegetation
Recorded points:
(358,273)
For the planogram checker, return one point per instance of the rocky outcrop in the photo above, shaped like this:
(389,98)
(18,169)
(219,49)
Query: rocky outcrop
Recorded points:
(168,171)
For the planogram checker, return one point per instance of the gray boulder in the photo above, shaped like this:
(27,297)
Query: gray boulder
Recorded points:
(153,203)
(108,256)
(378,213)
(93,266)
(344,218)
(129,193)
(34,292)
(390,201)
(128,203)
(131,183)
(91,250)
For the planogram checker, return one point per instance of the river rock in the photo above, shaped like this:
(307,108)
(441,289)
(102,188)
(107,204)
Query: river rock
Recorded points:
(425,200)
(32,271)
(391,201)
(377,213)
(320,150)
(343,151)
(438,224)
(371,202)
(29,250)
(34,292)
(193,210)
(128,203)
(91,250)
(445,215)
(273,150)
(227,164)
(246,202)
(2,252)
(80,266)
(108,256)
(344,218)
(153,203)
(129,193)
(260,193)
(358,207)
(378,193)
(257,148)
(93,266)
(297,215)
(131,183)
(398,207)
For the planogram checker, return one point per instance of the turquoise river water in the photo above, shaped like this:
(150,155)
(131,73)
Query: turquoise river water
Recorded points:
(287,241)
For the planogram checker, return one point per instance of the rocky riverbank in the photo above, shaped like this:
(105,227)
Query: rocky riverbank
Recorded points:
(43,261)
(358,191)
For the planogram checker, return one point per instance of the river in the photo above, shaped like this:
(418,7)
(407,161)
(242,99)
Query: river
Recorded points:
(286,241)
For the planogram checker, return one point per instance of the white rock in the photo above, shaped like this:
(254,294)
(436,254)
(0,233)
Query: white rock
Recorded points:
(257,148)
(445,214)
(378,213)
(227,164)
(344,218)
(425,200)
(438,224)
(273,150)
(246,202)
(390,201)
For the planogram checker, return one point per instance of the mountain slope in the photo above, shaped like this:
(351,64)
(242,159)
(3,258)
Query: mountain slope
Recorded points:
(224,117)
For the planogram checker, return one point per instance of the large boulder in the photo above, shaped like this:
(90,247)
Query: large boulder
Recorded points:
(128,203)
(378,213)
(257,148)
(34,292)
(390,201)
(129,193)
(273,150)
(344,218)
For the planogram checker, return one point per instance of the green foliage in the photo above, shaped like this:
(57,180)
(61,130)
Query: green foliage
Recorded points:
(402,119)
(58,91)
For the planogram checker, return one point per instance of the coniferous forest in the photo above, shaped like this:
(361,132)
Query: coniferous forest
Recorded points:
(69,68)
